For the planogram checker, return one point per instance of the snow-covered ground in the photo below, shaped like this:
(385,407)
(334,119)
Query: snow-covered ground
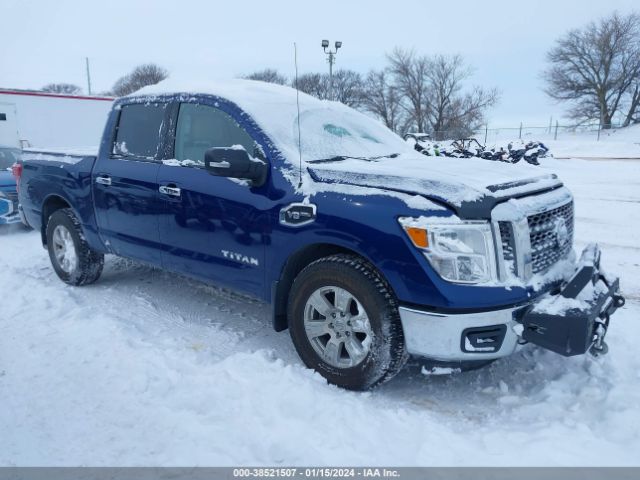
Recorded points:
(144,368)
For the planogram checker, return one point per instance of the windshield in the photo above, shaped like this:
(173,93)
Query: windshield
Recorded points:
(328,133)
(8,156)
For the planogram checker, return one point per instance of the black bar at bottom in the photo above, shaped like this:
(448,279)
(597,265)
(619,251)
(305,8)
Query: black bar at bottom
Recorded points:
(397,473)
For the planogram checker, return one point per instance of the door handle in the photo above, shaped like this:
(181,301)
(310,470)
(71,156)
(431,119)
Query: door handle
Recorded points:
(171,191)
(103,180)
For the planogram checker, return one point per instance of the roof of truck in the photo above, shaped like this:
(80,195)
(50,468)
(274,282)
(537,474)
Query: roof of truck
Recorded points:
(244,93)
(273,107)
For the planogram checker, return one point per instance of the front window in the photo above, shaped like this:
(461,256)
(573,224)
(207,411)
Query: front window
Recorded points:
(201,127)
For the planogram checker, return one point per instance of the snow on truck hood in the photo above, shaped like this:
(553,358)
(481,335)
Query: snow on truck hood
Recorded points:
(454,181)
(331,129)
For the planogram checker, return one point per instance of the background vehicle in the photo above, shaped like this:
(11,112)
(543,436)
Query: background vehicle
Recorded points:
(366,251)
(8,193)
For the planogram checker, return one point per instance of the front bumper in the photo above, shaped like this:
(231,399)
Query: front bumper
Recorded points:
(462,336)
(570,322)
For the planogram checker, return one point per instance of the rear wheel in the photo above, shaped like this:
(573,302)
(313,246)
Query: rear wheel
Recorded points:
(71,257)
(344,322)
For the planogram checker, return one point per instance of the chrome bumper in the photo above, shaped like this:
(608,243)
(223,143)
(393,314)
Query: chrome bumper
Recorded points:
(460,337)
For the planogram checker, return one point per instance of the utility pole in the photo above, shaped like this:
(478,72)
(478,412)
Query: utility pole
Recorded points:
(331,58)
(88,76)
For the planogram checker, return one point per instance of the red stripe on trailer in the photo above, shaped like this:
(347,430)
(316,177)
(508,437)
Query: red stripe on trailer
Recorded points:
(55,95)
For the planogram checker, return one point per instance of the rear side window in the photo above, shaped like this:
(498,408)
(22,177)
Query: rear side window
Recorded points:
(138,131)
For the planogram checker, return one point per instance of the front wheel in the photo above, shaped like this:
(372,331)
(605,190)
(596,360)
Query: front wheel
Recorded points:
(344,322)
(72,258)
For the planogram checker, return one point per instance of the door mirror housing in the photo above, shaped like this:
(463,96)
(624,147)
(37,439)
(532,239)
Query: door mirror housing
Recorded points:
(235,162)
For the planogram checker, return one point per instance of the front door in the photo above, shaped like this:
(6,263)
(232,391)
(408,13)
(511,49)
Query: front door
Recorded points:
(212,227)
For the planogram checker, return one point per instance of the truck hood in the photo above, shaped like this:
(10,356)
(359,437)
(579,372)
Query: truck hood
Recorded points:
(472,187)
(7,179)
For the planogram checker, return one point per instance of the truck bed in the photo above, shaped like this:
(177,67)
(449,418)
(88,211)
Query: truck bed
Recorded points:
(63,175)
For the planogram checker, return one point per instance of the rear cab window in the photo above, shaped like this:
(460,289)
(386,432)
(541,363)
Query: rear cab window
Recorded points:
(139,130)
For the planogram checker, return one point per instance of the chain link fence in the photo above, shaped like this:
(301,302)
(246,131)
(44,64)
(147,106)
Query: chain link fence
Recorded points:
(554,131)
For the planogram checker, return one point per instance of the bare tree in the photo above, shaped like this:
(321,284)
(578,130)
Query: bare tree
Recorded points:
(347,86)
(268,75)
(315,84)
(381,97)
(66,88)
(141,76)
(411,79)
(595,67)
(433,94)
(451,112)
(633,107)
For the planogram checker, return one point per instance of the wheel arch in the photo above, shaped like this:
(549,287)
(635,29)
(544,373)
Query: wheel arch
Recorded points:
(294,265)
(50,205)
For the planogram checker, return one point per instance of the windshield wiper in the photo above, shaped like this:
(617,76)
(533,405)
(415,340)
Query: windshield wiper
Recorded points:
(340,158)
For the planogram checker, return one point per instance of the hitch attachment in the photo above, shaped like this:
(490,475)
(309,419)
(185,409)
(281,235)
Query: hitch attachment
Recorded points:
(581,328)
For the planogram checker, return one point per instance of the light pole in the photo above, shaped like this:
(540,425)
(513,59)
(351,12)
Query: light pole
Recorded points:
(331,58)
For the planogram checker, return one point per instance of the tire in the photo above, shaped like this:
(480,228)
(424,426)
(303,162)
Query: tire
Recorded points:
(72,258)
(370,351)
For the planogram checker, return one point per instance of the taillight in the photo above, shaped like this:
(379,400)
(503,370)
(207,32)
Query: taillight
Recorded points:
(16,170)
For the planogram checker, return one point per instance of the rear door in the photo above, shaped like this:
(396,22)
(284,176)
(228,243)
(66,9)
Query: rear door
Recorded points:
(212,227)
(125,182)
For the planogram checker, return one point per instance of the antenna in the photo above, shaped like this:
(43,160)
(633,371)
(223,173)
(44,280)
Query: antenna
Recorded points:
(88,76)
(295,60)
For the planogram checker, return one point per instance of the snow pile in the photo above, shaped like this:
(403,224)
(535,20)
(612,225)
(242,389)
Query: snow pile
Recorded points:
(559,305)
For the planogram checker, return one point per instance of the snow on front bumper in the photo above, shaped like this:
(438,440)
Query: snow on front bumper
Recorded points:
(570,322)
(576,319)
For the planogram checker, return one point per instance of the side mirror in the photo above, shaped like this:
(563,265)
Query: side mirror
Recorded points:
(235,163)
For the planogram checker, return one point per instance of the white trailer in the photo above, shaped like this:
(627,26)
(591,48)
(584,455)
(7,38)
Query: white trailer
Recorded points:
(49,120)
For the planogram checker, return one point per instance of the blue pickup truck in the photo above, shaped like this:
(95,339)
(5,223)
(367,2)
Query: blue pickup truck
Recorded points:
(366,251)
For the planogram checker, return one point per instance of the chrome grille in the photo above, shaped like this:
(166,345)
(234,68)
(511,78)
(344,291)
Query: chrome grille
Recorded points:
(506,237)
(551,235)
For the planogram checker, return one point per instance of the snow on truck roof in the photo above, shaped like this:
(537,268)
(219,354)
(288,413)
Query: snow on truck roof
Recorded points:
(328,128)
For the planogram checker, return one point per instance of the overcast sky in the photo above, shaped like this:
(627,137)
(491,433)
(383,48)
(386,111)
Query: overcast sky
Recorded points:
(505,41)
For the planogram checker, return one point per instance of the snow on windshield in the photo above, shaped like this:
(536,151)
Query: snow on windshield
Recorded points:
(329,132)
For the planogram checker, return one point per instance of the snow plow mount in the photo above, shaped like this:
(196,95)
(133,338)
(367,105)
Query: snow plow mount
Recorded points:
(574,328)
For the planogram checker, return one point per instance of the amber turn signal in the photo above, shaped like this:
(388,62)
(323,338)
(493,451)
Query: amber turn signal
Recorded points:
(418,236)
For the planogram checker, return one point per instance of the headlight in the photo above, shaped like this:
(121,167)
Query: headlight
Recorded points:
(460,252)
